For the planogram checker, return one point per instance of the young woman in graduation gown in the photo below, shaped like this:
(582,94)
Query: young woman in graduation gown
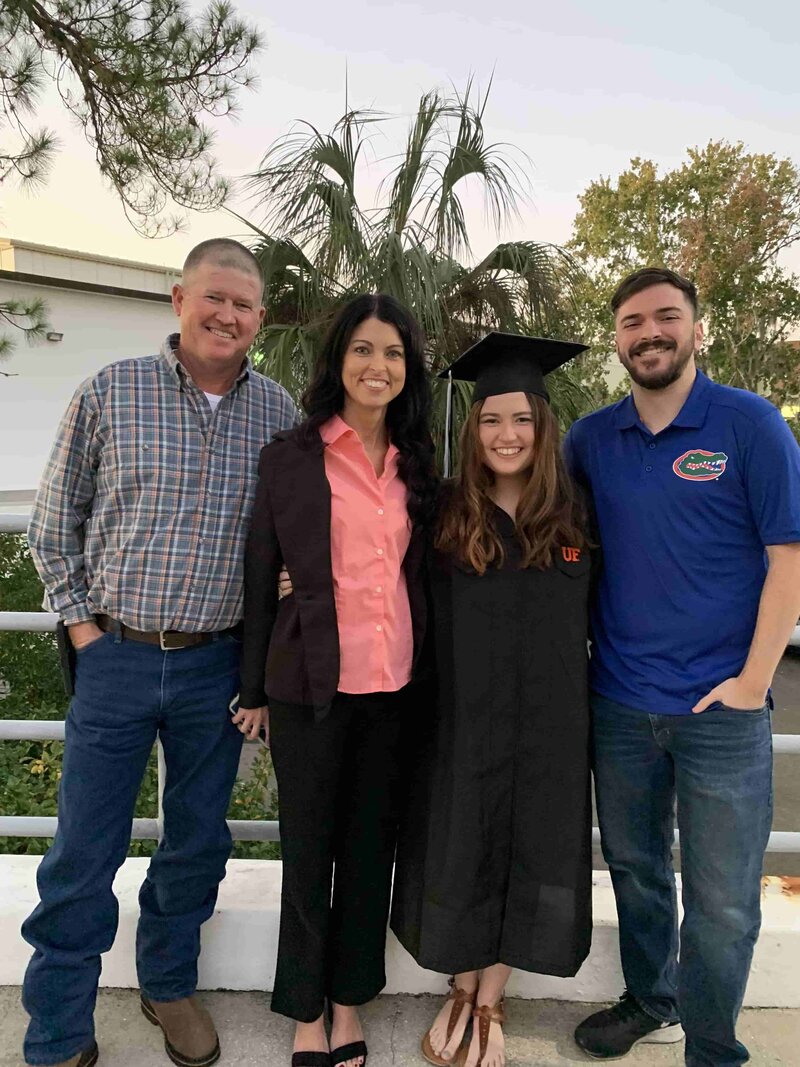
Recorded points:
(494,862)
(342,500)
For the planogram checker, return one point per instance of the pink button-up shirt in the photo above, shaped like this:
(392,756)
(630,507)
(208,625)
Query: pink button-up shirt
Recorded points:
(370,533)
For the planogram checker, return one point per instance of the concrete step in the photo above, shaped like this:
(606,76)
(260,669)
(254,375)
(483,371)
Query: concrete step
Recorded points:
(240,941)
(538,1033)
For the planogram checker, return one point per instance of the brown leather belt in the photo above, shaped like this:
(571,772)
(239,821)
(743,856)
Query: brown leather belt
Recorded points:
(167,640)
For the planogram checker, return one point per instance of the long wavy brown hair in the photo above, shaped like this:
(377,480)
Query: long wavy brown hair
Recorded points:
(549,514)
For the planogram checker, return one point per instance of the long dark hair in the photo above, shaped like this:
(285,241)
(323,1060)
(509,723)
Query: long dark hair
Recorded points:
(408,414)
(549,514)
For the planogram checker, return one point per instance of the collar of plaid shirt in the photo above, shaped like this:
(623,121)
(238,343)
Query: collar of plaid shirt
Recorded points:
(169,354)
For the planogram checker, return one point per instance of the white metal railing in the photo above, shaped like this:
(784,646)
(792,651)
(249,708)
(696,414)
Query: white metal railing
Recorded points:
(241,829)
(53,730)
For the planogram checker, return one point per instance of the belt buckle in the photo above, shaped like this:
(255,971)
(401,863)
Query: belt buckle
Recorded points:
(165,634)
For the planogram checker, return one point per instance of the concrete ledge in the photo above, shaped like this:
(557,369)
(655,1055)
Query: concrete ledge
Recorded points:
(240,940)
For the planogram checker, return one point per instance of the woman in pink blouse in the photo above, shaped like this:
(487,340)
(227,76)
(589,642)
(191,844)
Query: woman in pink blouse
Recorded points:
(343,500)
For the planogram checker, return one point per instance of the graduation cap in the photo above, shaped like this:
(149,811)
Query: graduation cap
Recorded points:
(506,363)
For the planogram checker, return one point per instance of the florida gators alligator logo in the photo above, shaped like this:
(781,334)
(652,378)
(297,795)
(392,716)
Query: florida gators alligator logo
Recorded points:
(697,465)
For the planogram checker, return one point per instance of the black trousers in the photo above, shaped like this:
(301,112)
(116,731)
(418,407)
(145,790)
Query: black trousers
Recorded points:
(339,799)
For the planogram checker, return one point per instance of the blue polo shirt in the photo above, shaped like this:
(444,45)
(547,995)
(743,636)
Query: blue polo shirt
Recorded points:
(683,518)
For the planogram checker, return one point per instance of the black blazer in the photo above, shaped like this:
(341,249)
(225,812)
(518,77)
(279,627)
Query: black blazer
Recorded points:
(291,646)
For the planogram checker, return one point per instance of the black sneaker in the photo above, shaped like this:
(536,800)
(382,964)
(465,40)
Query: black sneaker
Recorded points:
(611,1034)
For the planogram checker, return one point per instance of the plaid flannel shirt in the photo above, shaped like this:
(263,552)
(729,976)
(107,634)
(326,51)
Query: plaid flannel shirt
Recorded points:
(144,505)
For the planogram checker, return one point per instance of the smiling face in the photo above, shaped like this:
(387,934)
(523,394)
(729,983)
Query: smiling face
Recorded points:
(220,313)
(505,428)
(373,366)
(657,335)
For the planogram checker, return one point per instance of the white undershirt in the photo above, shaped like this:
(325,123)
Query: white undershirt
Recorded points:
(213,399)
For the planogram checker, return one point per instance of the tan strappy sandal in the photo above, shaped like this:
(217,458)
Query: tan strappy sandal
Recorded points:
(459,999)
(485,1015)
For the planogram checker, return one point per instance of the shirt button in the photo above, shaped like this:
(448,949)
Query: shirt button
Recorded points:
(379,551)
(379,627)
(648,468)
(378,588)
(652,444)
(380,511)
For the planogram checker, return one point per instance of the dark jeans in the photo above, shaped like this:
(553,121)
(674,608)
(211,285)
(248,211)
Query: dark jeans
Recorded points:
(718,765)
(125,694)
(338,794)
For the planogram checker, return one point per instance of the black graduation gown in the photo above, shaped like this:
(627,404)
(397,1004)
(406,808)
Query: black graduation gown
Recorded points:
(494,859)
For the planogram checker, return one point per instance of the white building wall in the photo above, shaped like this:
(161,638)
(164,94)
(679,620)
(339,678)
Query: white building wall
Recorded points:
(97,330)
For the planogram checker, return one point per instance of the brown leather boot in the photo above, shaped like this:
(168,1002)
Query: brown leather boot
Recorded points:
(190,1039)
(87,1058)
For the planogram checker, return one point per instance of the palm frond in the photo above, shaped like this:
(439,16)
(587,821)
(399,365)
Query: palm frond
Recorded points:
(407,270)
(541,279)
(294,287)
(286,353)
(318,246)
(410,174)
(469,156)
(569,397)
(307,180)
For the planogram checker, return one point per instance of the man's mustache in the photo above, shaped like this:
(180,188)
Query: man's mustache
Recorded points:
(656,346)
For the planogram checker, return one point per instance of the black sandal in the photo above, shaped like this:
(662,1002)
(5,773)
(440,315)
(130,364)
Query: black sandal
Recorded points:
(346,1052)
(311,1059)
(349,1052)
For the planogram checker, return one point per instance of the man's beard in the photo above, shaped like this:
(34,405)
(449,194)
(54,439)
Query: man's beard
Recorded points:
(668,375)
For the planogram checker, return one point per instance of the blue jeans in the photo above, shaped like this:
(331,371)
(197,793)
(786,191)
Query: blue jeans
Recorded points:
(718,766)
(125,694)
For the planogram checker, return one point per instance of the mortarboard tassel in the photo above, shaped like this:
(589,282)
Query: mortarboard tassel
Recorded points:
(448,418)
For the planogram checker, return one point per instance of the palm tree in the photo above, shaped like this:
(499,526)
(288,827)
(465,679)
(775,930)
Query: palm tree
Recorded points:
(318,245)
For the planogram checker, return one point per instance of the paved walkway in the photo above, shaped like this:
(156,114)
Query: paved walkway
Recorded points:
(538,1033)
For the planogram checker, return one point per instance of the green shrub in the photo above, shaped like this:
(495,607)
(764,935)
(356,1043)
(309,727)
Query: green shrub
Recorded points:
(30,770)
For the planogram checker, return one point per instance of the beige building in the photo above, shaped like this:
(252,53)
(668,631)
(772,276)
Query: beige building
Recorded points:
(99,310)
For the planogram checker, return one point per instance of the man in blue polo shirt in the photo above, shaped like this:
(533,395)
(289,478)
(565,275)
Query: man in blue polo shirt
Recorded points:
(696,488)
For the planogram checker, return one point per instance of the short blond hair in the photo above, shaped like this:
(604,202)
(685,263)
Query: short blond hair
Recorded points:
(224,252)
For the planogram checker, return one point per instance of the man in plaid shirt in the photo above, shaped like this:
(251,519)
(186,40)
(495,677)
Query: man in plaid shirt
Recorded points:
(138,535)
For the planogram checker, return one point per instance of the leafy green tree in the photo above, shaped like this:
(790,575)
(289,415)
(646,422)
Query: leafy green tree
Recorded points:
(723,218)
(28,662)
(29,317)
(29,770)
(319,243)
(137,76)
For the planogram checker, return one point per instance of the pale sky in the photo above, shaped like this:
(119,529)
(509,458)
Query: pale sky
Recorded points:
(580,87)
